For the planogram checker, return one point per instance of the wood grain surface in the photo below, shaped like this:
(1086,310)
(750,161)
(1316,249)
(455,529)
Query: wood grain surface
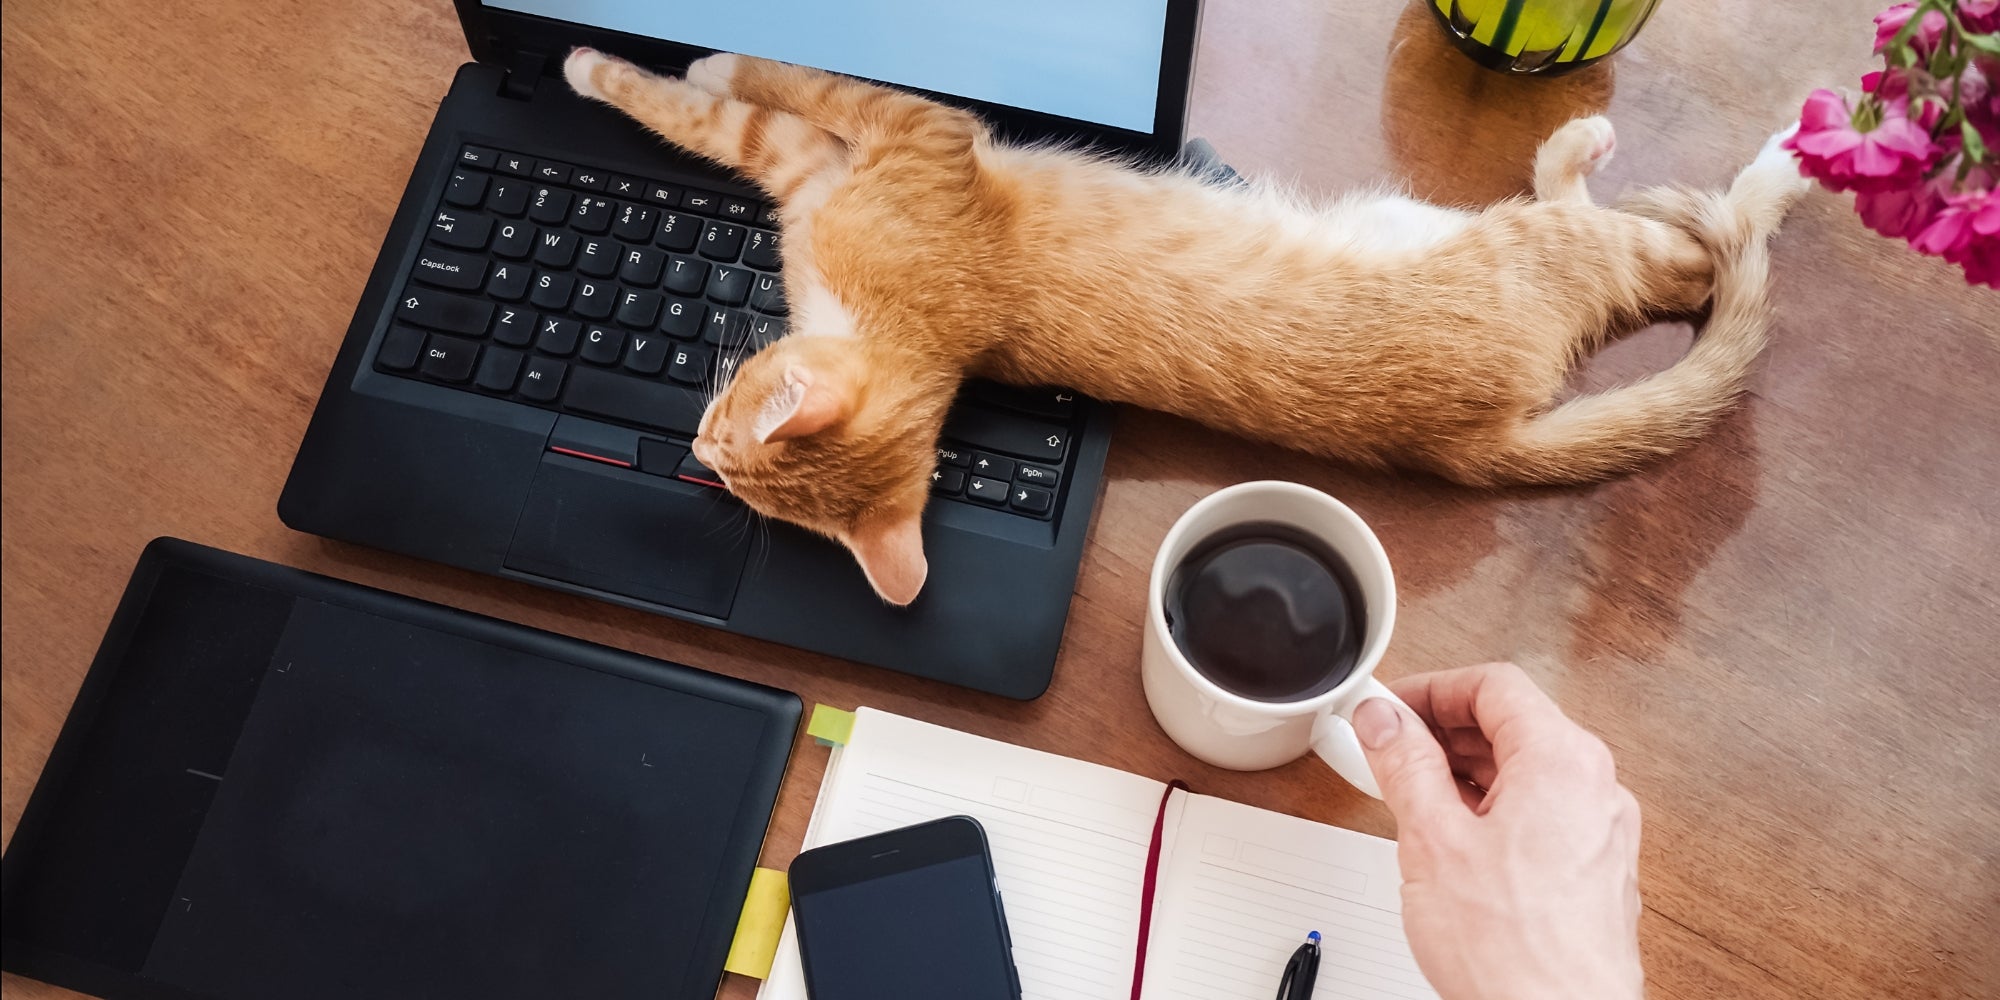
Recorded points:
(1788,634)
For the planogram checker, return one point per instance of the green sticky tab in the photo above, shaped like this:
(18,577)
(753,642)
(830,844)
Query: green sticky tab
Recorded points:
(758,929)
(830,726)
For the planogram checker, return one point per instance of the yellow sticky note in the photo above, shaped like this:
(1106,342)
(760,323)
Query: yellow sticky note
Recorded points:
(830,725)
(763,920)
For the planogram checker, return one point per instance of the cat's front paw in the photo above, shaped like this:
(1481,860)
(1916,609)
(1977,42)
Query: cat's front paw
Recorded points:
(714,74)
(580,69)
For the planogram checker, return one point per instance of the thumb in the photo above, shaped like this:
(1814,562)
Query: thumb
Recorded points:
(1410,767)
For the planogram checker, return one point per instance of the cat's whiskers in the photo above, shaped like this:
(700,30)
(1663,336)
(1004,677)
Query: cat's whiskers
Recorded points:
(761,541)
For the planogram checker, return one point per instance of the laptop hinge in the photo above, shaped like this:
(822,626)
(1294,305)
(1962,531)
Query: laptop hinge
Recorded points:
(524,70)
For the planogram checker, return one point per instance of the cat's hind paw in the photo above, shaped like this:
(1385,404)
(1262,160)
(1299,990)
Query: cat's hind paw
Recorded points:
(1584,145)
(1775,172)
(1571,154)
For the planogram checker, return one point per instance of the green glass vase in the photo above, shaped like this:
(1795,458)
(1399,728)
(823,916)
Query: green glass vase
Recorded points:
(1544,37)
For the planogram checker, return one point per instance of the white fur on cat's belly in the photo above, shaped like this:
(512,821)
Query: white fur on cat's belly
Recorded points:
(577,69)
(818,311)
(1389,223)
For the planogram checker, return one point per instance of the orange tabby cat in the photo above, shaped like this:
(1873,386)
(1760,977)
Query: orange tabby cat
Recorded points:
(1377,329)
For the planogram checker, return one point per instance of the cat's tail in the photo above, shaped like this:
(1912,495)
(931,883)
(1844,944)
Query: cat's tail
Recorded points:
(1594,437)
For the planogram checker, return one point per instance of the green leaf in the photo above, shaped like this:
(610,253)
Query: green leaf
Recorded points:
(1975,147)
(1984,43)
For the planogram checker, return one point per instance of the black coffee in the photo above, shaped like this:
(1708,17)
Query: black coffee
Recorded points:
(1267,611)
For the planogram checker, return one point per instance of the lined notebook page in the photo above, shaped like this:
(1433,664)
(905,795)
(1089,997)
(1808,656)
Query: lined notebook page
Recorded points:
(1069,844)
(1242,887)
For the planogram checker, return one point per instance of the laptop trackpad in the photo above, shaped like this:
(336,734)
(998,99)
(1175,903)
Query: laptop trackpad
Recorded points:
(646,537)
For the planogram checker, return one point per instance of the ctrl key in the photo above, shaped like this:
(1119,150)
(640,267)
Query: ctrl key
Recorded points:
(542,379)
(449,359)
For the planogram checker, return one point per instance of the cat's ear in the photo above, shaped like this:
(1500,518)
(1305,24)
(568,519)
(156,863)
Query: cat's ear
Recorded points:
(806,402)
(891,554)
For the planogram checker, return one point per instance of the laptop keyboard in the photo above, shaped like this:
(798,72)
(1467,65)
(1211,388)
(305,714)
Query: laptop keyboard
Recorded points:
(623,299)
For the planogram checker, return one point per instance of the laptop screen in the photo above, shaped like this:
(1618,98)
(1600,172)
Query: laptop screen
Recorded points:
(1097,62)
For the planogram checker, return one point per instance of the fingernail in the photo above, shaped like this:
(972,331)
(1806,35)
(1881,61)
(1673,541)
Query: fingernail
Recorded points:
(1377,722)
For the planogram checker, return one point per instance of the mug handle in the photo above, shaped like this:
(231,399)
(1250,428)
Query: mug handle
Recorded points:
(1334,740)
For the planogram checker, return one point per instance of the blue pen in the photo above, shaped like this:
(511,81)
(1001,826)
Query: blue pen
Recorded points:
(1301,971)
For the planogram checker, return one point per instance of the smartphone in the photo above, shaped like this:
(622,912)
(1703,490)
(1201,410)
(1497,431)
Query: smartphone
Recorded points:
(912,914)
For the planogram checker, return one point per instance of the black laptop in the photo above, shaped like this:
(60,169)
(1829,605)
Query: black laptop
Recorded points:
(519,385)
(275,784)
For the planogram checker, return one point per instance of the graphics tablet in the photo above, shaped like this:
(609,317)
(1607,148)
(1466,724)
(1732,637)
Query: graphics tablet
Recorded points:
(274,784)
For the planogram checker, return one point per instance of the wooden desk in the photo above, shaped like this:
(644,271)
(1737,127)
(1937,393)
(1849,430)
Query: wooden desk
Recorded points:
(1788,633)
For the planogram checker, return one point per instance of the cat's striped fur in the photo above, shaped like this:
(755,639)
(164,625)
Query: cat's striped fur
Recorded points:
(1377,329)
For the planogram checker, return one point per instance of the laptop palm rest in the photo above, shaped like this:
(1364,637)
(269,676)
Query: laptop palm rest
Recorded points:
(645,537)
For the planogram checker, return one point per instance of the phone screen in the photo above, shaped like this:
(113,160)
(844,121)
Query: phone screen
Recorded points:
(923,934)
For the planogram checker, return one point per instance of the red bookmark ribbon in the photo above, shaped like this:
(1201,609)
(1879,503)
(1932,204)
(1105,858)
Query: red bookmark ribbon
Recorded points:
(1152,879)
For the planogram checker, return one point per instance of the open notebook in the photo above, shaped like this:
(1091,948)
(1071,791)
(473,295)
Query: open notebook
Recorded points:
(1237,887)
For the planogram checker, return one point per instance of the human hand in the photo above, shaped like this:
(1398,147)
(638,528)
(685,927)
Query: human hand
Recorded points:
(1519,848)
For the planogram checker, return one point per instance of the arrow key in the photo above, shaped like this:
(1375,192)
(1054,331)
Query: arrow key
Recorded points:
(988,491)
(992,466)
(947,482)
(1030,500)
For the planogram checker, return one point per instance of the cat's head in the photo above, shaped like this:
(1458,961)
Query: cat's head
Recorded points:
(829,434)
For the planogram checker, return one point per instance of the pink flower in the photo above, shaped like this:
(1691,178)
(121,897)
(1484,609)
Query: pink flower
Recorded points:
(1982,264)
(1979,16)
(1900,213)
(1925,38)
(1888,84)
(1967,233)
(1980,98)
(1892,88)
(1946,181)
(1895,153)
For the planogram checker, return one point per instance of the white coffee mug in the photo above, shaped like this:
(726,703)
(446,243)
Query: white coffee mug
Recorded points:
(1244,734)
